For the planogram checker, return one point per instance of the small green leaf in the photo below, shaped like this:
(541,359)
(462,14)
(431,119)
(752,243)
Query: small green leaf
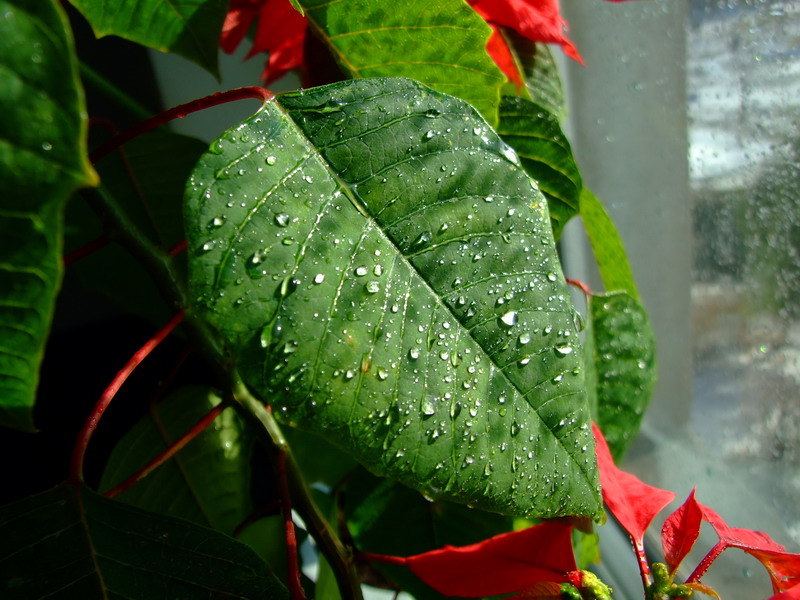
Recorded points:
(42,162)
(546,155)
(623,360)
(442,45)
(190,28)
(612,261)
(71,543)
(385,272)
(207,482)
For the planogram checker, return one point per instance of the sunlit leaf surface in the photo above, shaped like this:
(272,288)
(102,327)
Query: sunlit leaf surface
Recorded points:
(385,272)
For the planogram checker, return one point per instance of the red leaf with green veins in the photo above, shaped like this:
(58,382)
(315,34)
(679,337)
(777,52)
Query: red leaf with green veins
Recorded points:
(631,501)
(680,532)
(505,563)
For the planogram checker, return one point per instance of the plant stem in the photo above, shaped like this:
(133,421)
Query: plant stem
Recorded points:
(293,564)
(87,249)
(112,92)
(171,451)
(709,558)
(79,451)
(178,112)
(338,556)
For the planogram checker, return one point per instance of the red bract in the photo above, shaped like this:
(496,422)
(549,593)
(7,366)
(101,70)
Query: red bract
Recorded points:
(680,532)
(503,564)
(783,567)
(536,20)
(281,31)
(632,502)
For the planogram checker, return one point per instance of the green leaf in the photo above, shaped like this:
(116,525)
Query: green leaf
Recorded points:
(207,482)
(609,253)
(42,162)
(623,359)
(190,28)
(148,185)
(441,45)
(542,78)
(72,543)
(386,517)
(319,460)
(536,136)
(385,272)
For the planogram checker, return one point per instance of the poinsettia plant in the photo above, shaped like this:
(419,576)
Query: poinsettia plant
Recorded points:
(364,281)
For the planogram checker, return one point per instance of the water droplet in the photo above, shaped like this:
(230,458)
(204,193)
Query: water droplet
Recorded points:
(524,338)
(423,239)
(429,134)
(510,318)
(563,350)
(319,278)
(524,361)
(282,219)
(413,354)
(361,271)
(349,374)
(428,407)
(378,270)
(216,222)
(271,160)
(372,287)
(444,355)
(47,146)
(383,374)
(289,241)
(551,277)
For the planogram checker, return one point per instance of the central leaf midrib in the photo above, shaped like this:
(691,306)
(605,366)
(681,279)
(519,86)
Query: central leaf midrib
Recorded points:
(360,206)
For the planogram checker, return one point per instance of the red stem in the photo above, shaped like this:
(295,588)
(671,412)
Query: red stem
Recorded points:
(79,451)
(89,248)
(178,112)
(709,558)
(295,587)
(383,558)
(644,566)
(580,285)
(173,449)
(177,248)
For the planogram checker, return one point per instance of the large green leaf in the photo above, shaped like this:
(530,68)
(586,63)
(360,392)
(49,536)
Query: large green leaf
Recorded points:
(621,362)
(612,261)
(190,28)
(542,79)
(441,44)
(42,161)
(385,271)
(71,543)
(207,482)
(536,136)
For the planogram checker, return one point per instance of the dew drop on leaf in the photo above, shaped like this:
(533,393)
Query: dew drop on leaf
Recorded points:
(510,318)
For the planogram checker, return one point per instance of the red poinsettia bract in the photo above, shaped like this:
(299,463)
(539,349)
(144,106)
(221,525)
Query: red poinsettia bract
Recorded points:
(634,504)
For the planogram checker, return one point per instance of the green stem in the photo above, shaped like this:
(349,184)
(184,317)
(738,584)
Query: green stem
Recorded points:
(112,92)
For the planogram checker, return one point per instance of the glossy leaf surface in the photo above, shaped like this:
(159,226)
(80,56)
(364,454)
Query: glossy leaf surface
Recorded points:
(385,271)
(442,45)
(536,136)
(623,360)
(680,531)
(207,482)
(72,543)
(42,161)
(190,28)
